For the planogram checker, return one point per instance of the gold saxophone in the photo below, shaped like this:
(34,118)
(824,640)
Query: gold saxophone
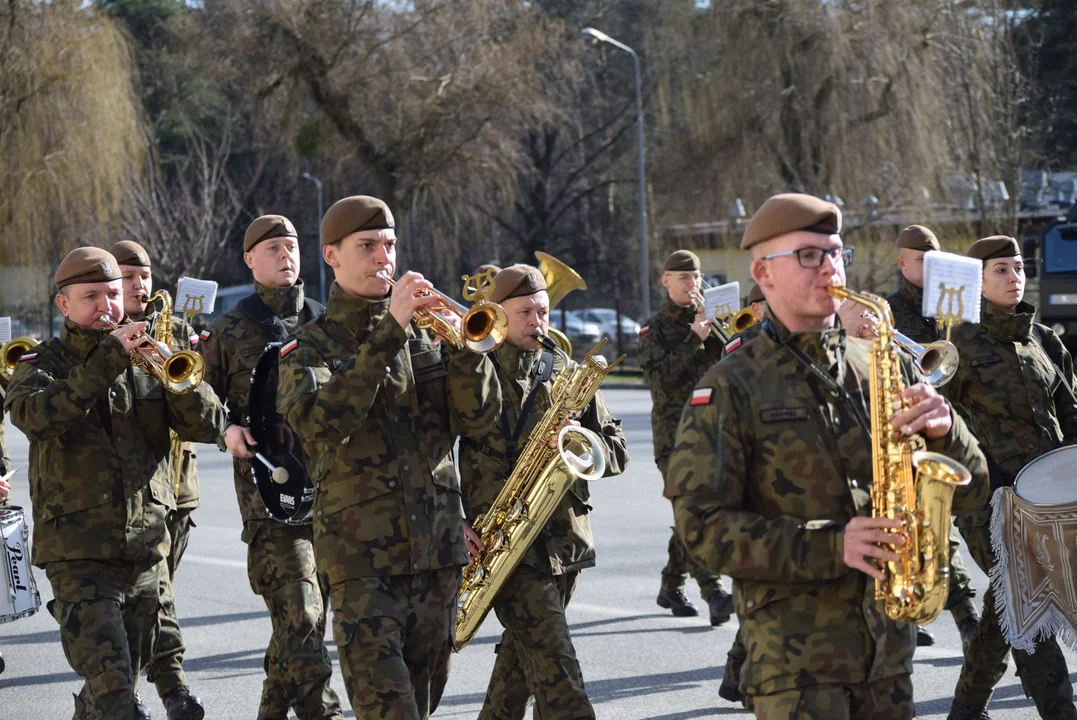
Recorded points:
(542,476)
(908,484)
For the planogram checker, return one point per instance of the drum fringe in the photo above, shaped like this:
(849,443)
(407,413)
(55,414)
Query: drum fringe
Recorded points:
(1053,621)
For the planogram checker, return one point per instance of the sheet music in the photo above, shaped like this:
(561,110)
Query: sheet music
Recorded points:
(5,330)
(194,296)
(724,299)
(953,272)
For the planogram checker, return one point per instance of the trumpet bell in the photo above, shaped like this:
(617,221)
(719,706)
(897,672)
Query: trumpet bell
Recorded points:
(937,361)
(560,278)
(743,320)
(484,327)
(183,370)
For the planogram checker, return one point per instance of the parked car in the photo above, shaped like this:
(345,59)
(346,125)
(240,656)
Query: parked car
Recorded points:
(582,335)
(606,319)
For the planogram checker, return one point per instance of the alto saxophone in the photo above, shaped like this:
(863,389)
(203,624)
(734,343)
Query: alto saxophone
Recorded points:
(908,484)
(542,476)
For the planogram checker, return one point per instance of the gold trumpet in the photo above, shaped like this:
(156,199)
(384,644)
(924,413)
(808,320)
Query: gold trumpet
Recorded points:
(482,328)
(10,352)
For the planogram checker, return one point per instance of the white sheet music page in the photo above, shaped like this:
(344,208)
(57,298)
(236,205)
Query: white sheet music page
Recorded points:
(956,281)
(724,299)
(5,330)
(194,296)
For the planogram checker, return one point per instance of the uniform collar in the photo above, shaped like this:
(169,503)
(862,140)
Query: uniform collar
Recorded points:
(1005,326)
(81,340)
(824,348)
(517,363)
(355,315)
(686,313)
(911,293)
(282,302)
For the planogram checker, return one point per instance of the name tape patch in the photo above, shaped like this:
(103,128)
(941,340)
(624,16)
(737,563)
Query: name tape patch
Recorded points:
(784,414)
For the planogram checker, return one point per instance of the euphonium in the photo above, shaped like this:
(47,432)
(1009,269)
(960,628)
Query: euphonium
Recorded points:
(542,476)
(10,352)
(560,281)
(908,484)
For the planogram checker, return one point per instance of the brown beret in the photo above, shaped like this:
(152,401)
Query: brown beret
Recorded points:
(756,295)
(354,214)
(267,227)
(996,246)
(681,261)
(516,281)
(87,265)
(487,266)
(790,212)
(917,237)
(128,252)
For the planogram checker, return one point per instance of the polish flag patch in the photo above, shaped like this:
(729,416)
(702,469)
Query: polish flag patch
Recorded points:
(193,339)
(204,335)
(701,396)
(645,329)
(733,345)
(27,356)
(287,348)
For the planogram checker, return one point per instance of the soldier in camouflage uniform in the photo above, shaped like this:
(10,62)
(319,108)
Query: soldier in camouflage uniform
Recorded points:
(535,655)
(771,478)
(906,304)
(758,303)
(280,558)
(676,346)
(165,668)
(101,480)
(1014,389)
(378,406)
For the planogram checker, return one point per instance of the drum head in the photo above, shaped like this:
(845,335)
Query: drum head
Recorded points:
(288,502)
(1049,479)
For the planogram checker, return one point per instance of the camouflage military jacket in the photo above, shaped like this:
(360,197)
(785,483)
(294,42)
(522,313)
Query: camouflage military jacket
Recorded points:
(1008,389)
(378,408)
(907,305)
(673,359)
(770,462)
(566,543)
(100,474)
(232,347)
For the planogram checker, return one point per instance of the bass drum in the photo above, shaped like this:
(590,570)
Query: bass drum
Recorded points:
(1049,479)
(290,502)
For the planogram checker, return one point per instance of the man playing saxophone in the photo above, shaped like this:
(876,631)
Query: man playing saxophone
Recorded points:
(771,481)
(1014,388)
(378,405)
(535,655)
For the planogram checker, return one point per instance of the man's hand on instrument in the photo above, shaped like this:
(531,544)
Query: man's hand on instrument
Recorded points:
(451,318)
(858,320)
(5,491)
(473,542)
(131,335)
(402,301)
(239,440)
(557,430)
(702,326)
(928,413)
(866,537)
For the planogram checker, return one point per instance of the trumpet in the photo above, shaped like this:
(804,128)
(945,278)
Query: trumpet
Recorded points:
(718,328)
(178,372)
(10,352)
(482,328)
(936,361)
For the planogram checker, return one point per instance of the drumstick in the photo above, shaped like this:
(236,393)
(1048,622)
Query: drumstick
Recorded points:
(9,475)
(280,475)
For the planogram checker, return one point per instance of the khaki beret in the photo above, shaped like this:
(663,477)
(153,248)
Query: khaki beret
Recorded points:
(128,252)
(996,246)
(87,265)
(790,212)
(267,227)
(516,281)
(917,237)
(354,214)
(487,266)
(681,261)
(756,295)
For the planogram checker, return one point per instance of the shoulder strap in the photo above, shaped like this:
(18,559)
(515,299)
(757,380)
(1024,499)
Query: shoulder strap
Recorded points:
(1037,337)
(257,311)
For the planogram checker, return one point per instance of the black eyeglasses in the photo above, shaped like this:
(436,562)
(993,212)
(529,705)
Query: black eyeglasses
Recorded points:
(812,257)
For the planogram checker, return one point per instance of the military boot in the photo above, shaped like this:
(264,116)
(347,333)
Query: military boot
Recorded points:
(923,637)
(729,689)
(960,711)
(180,704)
(721,607)
(676,601)
(141,711)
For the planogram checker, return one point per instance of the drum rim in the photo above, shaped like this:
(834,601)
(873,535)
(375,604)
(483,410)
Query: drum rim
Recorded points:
(1022,472)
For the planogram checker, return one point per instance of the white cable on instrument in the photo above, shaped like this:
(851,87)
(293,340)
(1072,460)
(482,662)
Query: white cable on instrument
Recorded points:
(280,475)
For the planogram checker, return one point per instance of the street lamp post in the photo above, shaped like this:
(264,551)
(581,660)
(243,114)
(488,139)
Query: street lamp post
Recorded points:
(321,259)
(644,256)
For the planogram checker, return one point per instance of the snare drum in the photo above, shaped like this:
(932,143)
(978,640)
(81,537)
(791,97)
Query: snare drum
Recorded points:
(18,591)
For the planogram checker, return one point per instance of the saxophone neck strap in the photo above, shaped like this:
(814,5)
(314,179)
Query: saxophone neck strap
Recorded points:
(542,372)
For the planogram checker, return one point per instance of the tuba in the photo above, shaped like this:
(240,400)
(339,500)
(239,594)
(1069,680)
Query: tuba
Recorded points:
(10,352)
(542,476)
(908,484)
(560,281)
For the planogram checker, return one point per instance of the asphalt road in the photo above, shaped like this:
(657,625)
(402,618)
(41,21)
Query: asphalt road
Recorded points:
(638,661)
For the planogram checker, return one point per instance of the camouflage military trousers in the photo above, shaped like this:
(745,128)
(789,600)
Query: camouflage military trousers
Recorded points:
(681,564)
(394,640)
(281,569)
(1044,674)
(108,616)
(535,656)
(165,669)
(889,699)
